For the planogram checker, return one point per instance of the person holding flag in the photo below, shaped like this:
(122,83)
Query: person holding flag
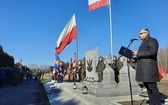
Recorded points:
(61,72)
(56,67)
(69,71)
(68,34)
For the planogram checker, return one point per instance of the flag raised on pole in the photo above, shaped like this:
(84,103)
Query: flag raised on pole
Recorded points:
(67,35)
(94,4)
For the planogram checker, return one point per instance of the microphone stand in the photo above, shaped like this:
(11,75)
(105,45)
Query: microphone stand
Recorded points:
(128,71)
(129,75)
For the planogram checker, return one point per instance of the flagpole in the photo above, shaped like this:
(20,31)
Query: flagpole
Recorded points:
(76,45)
(77,49)
(111,36)
(112,45)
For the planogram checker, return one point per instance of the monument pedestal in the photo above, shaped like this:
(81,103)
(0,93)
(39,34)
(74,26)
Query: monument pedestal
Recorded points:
(110,90)
(108,87)
(108,75)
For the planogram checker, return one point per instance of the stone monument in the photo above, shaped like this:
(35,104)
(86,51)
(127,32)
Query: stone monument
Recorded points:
(108,87)
(91,63)
(124,72)
(108,73)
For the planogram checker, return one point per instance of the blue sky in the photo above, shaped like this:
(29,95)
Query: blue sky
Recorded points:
(29,29)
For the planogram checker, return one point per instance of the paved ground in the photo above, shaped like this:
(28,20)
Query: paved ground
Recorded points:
(21,94)
(64,94)
(25,93)
(78,98)
(58,96)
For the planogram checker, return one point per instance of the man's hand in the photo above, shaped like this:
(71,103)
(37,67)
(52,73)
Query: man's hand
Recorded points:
(134,53)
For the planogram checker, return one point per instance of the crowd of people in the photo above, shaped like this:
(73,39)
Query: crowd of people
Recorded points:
(145,63)
(75,71)
(10,76)
(38,75)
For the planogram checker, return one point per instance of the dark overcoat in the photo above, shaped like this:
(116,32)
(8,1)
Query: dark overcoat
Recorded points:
(147,67)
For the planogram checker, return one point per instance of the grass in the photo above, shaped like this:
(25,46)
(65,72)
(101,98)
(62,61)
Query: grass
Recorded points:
(162,85)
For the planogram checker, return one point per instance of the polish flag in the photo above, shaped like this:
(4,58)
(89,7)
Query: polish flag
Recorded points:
(68,34)
(94,4)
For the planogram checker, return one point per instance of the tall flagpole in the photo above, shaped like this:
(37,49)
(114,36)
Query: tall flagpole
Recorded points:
(77,49)
(76,45)
(111,36)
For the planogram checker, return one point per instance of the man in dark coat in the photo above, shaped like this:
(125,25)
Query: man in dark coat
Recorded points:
(147,67)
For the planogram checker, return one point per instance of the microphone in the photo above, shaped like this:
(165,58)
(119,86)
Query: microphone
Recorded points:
(133,39)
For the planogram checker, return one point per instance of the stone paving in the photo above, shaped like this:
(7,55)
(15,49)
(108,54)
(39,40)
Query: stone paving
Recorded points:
(58,96)
(68,94)
(22,94)
(61,94)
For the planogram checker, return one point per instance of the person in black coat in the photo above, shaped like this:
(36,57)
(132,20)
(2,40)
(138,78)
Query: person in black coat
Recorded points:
(147,67)
(61,72)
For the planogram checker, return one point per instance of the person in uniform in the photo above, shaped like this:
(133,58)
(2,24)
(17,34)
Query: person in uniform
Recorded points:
(100,68)
(83,71)
(116,66)
(79,69)
(132,63)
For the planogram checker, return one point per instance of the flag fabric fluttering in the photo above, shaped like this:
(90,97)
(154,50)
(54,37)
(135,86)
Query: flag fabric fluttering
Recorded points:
(56,66)
(94,4)
(57,58)
(162,73)
(67,35)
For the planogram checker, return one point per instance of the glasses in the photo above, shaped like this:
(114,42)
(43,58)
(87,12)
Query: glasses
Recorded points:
(142,33)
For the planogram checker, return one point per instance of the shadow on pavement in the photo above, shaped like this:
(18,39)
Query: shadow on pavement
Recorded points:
(57,96)
(21,94)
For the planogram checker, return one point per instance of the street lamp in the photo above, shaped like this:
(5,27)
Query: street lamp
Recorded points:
(93,80)
(85,90)
(74,86)
(90,79)
(87,79)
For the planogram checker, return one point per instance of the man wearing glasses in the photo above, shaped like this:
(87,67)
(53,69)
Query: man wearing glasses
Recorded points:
(147,67)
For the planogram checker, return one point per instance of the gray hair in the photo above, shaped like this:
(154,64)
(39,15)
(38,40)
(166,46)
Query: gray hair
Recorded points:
(145,29)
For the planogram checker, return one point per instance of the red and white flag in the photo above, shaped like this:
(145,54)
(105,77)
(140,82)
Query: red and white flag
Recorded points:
(67,35)
(94,4)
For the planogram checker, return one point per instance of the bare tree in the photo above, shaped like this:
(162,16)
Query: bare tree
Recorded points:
(33,66)
(44,67)
(163,58)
